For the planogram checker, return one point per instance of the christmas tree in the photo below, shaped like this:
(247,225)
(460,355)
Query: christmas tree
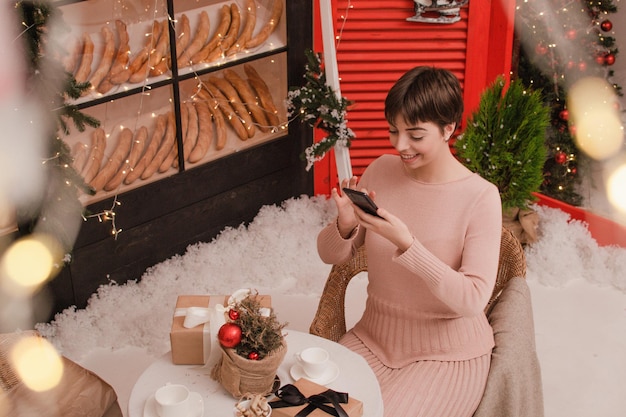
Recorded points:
(52,86)
(561,42)
(504,141)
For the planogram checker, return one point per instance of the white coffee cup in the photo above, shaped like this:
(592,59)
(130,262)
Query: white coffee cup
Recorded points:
(172,400)
(314,361)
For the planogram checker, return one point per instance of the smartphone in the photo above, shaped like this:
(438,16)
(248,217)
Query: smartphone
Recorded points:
(362,200)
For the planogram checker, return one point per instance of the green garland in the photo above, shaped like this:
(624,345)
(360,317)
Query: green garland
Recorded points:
(317,104)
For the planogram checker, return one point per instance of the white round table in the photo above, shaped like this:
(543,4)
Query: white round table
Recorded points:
(355,377)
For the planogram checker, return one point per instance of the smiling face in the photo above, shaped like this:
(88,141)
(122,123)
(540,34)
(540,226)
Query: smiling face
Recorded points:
(420,144)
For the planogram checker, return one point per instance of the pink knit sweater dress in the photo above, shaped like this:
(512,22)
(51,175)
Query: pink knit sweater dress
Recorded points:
(423,331)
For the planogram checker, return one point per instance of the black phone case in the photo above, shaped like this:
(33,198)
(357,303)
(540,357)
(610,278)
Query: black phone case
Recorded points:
(362,200)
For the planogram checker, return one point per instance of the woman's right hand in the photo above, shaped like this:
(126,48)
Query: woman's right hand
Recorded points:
(346,220)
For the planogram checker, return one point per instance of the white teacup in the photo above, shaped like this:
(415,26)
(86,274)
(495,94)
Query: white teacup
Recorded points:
(314,361)
(172,400)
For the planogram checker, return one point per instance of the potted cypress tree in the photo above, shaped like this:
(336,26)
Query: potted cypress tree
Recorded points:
(504,142)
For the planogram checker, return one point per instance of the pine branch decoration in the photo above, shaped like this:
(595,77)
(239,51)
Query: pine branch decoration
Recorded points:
(316,104)
(504,141)
(259,333)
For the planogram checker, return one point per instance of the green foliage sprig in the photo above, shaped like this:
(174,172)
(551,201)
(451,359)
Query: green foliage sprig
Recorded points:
(504,141)
(316,104)
(259,333)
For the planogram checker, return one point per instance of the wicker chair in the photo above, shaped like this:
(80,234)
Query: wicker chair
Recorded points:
(330,320)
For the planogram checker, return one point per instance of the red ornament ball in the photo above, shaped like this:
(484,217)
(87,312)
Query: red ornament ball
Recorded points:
(582,66)
(601,59)
(609,59)
(233,314)
(606,25)
(564,114)
(253,356)
(229,335)
(571,34)
(560,157)
(541,49)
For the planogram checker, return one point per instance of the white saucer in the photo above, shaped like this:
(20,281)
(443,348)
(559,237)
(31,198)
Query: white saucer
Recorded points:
(331,373)
(197,406)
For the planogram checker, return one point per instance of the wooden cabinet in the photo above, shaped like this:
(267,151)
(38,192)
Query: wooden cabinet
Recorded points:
(217,145)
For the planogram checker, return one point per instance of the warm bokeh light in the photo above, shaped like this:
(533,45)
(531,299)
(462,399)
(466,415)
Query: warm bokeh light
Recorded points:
(37,363)
(30,261)
(598,131)
(616,187)
(599,134)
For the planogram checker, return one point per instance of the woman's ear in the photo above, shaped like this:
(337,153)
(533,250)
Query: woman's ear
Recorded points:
(448,130)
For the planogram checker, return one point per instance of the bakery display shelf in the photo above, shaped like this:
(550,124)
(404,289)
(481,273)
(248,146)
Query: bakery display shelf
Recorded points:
(186,114)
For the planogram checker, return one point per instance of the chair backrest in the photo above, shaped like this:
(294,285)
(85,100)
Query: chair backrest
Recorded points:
(330,319)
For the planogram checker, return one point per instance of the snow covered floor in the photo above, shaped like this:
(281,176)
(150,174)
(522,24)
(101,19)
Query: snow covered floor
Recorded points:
(578,290)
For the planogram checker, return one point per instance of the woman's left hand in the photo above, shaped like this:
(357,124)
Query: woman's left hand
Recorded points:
(388,226)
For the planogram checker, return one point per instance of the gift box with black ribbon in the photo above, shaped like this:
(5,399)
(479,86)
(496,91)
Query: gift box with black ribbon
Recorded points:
(305,398)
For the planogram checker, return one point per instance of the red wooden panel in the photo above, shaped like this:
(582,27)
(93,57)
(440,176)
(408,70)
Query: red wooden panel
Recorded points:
(377,45)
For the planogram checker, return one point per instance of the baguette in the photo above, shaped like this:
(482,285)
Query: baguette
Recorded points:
(84,68)
(201,35)
(164,148)
(269,27)
(151,150)
(137,146)
(191,135)
(92,166)
(106,59)
(183,35)
(171,157)
(230,37)
(124,142)
(227,110)
(205,131)
(72,57)
(119,72)
(79,153)
(159,61)
(235,101)
(218,118)
(248,97)
(264,95)
(248,29)
(139,64)
(220,32)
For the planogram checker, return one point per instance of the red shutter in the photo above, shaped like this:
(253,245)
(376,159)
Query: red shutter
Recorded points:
(377,45)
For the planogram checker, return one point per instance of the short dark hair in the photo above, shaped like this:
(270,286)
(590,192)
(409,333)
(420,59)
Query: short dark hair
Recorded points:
(425,94)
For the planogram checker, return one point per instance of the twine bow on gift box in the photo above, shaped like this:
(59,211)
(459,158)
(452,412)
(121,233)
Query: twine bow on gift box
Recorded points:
(290,396)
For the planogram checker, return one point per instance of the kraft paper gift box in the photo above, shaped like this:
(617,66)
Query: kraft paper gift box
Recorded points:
(198,345)
(353,407)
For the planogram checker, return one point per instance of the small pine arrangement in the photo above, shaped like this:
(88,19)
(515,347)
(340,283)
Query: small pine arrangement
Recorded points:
(253,331)
(259,333)
(504,141)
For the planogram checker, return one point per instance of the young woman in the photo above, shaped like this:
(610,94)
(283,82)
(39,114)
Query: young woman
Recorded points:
(432,256)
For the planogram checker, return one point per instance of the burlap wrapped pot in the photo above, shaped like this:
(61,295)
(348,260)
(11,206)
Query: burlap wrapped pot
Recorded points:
(241,376)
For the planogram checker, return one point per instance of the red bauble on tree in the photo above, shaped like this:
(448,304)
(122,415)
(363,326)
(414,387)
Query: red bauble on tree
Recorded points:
(229,335)
(609,59)
(564,114)
(253,356)
(560,157)
(601,59)
(233,314)
(606,25)
(541,49)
